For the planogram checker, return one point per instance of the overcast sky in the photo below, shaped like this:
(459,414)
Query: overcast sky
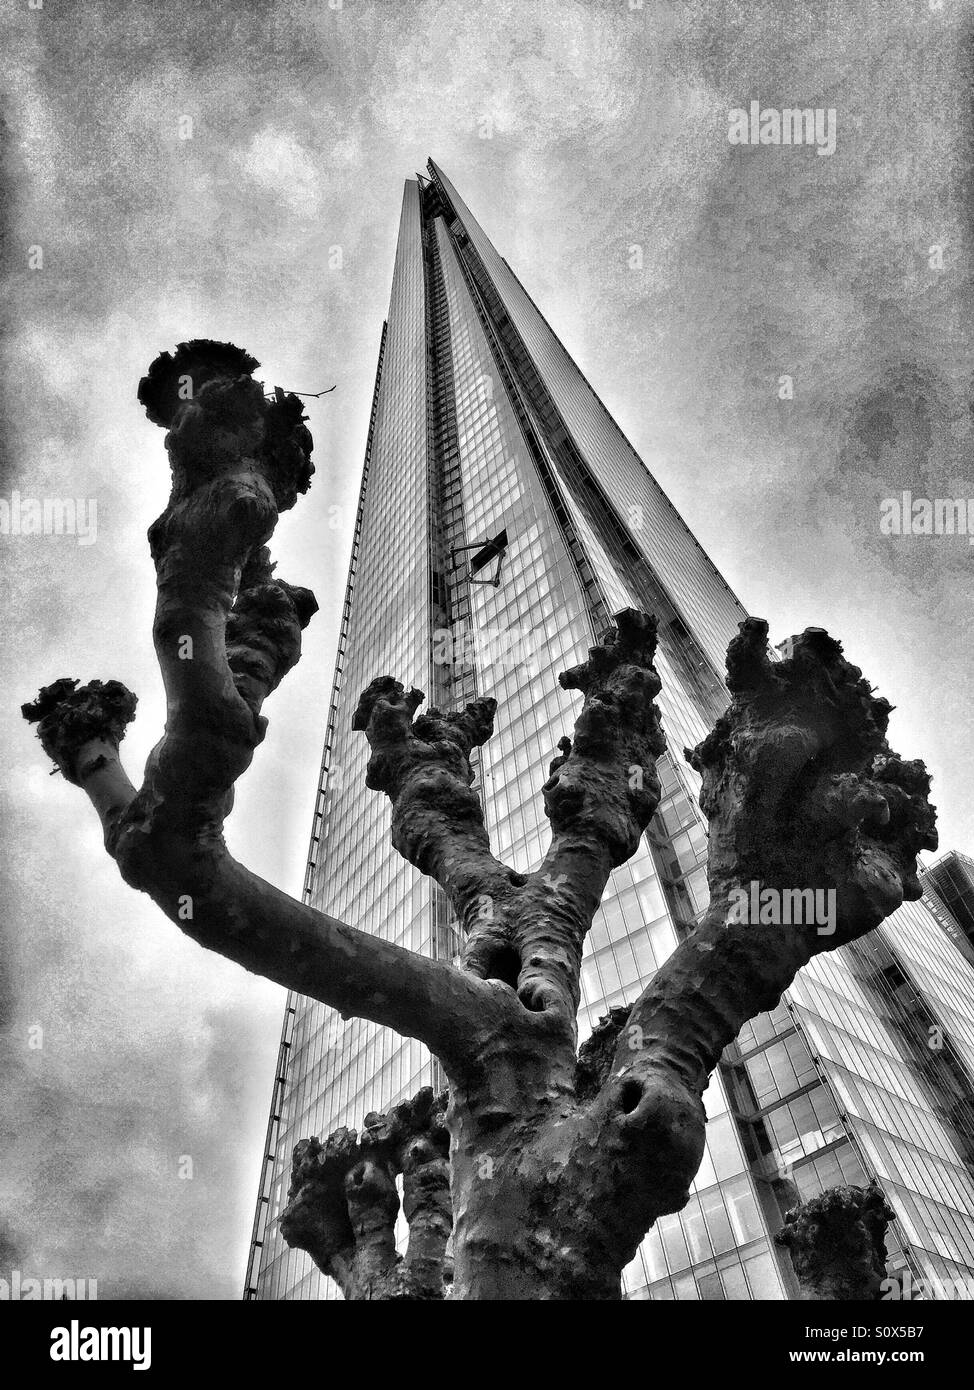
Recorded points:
(576,130)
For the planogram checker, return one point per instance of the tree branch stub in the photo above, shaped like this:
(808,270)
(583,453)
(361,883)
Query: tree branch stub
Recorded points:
(837,1243)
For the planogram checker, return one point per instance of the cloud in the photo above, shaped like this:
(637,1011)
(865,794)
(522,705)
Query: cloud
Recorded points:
(277,160)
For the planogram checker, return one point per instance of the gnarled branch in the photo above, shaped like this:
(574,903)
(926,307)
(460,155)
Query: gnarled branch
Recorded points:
(600,795)
(815,825)
(527,930)
(343,1203)
(422,763)
(226,632)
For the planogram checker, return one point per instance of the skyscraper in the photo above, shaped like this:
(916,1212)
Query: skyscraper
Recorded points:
(948,891)
(503,517)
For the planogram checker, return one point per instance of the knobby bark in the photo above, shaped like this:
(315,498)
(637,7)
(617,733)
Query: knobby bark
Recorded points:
(560,1159)
(343,1203)
(837,1243)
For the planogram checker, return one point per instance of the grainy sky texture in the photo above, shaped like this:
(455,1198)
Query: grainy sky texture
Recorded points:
(577,130)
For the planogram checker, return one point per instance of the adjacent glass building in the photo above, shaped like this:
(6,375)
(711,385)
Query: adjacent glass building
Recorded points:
(948,891)
(503,518)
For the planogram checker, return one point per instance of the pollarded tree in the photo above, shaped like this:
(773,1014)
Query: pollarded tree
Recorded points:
(558,1160)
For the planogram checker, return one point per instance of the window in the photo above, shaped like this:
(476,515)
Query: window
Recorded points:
(735,1285)
(652,1251)
(723,1145)
(762,1277)
(696,1231)
(712,1206)
(710,1287)
(673,1242)
(743,1210)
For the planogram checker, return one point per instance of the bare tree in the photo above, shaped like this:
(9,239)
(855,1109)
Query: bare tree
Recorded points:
(559,1160)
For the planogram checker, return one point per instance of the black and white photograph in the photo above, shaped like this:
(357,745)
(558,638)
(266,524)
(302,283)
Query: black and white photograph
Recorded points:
(487,543)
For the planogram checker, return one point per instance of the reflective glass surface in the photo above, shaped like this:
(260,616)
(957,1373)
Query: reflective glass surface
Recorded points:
(483,429)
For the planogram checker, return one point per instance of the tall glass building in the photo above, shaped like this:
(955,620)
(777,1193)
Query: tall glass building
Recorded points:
(503,518)
(948,891)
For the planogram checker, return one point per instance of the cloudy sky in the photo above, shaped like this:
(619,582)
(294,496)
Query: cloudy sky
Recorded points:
(189,170)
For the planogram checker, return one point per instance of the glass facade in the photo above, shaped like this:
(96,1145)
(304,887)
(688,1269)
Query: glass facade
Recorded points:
(503,518)
(890,1020)
(948,891)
